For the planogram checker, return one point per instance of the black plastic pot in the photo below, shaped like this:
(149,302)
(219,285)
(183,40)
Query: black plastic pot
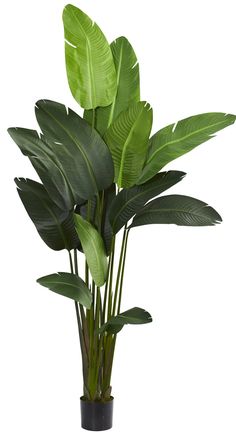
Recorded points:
(96,415)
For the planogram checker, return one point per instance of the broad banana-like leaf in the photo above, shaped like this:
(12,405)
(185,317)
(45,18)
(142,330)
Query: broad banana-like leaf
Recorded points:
(82,153)
(128,87)
(127,139)
(93,248)
(130,200)
(69,285)
(136,315)
(54,225)
(177,209)
(89,63)
(177,139)
(46,165)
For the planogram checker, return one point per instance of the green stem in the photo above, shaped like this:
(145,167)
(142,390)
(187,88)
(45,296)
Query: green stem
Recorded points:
(122,272)
(119,272)
(109,279)
(110,340)
(80,329)
(93,118)
(71,262)
(81,308)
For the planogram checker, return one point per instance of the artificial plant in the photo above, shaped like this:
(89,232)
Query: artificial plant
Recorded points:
(100,175)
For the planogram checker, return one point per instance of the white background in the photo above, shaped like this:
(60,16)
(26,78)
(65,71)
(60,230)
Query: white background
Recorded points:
(176,376)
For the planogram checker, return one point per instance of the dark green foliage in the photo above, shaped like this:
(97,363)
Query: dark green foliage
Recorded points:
(177,209)
(55,226)
(129,201)
(131,316)
(69,285)
(78,148)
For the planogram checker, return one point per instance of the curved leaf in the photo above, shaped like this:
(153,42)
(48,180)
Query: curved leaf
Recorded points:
(127,139)
(136,315)
(177,209)
(82,153)
(55,226)
(46,165)
(129,201)
(106,230)
(128,88)
(177,139)
(69,285)
(89,62)
(93,248)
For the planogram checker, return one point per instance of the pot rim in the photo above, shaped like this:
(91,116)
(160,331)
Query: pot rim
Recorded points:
(84,400)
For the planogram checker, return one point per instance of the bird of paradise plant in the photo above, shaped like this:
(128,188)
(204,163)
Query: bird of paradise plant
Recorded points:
(101,174)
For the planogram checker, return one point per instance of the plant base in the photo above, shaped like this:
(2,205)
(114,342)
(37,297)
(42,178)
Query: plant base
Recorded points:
(96,415)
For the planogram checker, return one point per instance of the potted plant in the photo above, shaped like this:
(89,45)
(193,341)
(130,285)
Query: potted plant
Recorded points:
(101,175)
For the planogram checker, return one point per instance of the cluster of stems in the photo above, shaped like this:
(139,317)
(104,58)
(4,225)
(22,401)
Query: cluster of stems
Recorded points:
(98,349)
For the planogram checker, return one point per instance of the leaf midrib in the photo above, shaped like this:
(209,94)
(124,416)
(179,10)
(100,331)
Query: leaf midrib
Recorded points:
(173,210)
(58,224)
(79,147)
(58,165)
(182,138)
(119,181)
(133,199)
(90,69)
(92,239)
(118,72)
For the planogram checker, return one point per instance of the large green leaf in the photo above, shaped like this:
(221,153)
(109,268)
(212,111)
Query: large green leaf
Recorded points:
(177,209)
(130,200)
(177,139)
(127,138)
(93,248)
(136,315)
(89,62)
(54,225)
(69,285)
(82,153)
(46,165)
(128,88)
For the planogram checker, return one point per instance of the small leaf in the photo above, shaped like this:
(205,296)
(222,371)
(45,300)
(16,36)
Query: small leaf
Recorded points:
(127,139)
(128,88)
(54,225)
(130,200)
(93,248)
(69,285)
(89,62)
(177,209)
(177,139)
(136,315)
